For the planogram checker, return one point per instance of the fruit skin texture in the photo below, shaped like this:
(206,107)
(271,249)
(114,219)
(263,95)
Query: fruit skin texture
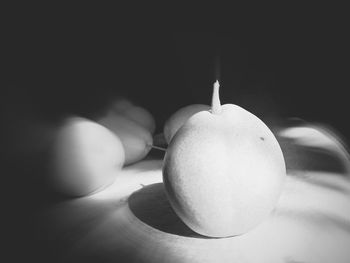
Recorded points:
(224,172)
(136,139)
(86,157)
(175,122)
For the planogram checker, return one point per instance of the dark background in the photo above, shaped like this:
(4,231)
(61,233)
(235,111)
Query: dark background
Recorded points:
(300,70)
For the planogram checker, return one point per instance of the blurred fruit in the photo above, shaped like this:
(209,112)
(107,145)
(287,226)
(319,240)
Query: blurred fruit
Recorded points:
(86,157)
(136,113)
(136,140)
(175,122)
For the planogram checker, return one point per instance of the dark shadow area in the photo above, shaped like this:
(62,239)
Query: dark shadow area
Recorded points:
(27,196)
(151,206)
(57,231)
(155,154)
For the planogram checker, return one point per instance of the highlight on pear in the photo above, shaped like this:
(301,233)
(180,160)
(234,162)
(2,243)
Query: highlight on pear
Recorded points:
(223,170)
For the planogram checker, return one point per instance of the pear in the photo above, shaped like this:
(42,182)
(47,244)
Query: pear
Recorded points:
(137,140)
(223,170)
(136,113)
(86,157)
(177,119)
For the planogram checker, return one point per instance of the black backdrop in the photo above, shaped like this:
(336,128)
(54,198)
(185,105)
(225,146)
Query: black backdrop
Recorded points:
(296,72)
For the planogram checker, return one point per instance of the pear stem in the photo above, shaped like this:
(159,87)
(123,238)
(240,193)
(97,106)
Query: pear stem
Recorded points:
(157,147)
(215,102)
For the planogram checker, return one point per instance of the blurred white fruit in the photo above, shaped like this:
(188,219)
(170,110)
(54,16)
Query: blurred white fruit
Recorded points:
(86,157)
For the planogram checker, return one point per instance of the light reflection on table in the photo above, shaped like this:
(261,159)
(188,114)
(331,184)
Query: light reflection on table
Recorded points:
(132,221)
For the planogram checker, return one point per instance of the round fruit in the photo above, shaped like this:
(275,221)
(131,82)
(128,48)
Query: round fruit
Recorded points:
(136,113)
(175,122)
(136,140)
(86,157)
(223,171)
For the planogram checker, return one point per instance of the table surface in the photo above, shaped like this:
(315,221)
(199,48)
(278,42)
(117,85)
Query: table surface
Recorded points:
(132,221)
